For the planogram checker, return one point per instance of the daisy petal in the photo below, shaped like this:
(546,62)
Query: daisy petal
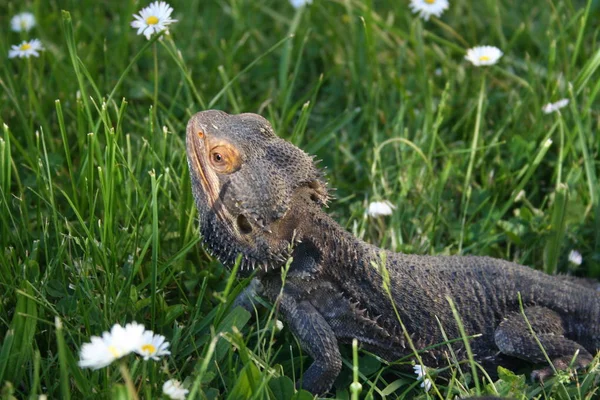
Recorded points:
(22,22)
(483,55)
(153,19)
(427,8)
(174,390)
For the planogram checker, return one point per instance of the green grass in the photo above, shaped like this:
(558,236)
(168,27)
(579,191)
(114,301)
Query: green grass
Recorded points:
(97,222)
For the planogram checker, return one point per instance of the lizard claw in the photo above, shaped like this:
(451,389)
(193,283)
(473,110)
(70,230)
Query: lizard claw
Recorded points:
(560,364)
(539,375)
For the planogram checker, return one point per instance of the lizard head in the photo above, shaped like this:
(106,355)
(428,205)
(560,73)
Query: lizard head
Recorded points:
(243,180)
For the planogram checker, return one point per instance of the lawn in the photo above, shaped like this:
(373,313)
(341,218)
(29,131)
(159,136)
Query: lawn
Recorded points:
(97,221)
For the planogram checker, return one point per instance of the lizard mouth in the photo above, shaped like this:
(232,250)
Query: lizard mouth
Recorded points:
(208,179)
(211,185)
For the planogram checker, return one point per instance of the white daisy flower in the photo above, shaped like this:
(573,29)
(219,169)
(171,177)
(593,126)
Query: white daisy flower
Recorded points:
(153,19)
(553,107)
(421,372)
(483,55)
(174,390)
(575,257)
(26,49)
(520,196)
(427,8)
(278,325)
(111,346)
(379,208)
(152,346)
(134,331)
(22,22)
(300,3)
(99,353)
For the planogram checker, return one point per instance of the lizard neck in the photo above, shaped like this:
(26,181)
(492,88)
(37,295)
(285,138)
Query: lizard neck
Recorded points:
(335,247)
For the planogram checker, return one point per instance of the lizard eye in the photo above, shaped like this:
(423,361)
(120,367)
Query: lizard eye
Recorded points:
(224,159)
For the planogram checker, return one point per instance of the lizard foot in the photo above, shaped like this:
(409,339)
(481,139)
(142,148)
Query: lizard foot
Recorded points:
(513,338)
(560,364)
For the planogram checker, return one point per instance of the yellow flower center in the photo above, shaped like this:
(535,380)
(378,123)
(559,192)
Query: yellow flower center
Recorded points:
(114,351)
(484,58)
(148,348)
(25,46)
(430,1)
(152,20)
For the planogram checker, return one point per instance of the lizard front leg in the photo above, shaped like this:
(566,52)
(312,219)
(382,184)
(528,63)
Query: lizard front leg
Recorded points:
(514,338)
(247,297)
(316,338)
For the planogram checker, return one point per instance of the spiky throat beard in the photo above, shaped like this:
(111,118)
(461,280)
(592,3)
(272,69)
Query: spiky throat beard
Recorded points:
(221,243)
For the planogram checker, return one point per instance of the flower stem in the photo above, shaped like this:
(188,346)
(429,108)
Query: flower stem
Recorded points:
(176,56)
(155,78)
(30,94)
(467,185)
(128,381)
(131,64)
(355,386)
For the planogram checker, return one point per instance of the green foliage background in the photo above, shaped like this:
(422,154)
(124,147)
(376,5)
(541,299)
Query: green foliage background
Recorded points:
(97,223)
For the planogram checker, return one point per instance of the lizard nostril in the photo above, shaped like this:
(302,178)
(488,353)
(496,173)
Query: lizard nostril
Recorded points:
(244,224)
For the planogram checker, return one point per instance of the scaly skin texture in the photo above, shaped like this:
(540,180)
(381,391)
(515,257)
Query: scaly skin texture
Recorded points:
(260,196)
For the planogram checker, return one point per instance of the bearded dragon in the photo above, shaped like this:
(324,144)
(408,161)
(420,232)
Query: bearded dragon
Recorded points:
(261,197)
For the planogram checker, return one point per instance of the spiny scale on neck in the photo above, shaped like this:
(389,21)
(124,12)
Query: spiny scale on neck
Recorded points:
(335,244)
